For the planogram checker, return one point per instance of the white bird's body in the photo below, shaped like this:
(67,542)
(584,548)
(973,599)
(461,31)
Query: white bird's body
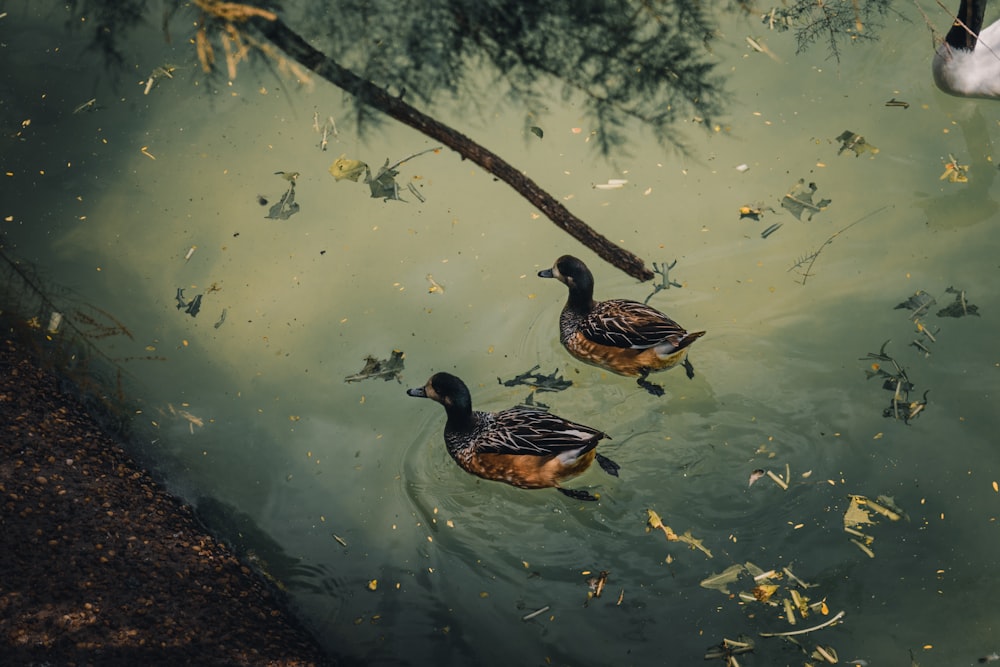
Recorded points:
(967,63)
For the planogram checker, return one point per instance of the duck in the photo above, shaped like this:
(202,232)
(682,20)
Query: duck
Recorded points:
(625,337)
(521,446)
(967,63)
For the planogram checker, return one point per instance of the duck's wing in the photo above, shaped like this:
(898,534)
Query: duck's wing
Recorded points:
(630,324)
(526,431)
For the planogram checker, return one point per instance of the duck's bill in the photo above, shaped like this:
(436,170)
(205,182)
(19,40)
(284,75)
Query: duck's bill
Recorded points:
(417,391)
(545,273)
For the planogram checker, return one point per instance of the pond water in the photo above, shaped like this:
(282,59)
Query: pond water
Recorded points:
(345,493)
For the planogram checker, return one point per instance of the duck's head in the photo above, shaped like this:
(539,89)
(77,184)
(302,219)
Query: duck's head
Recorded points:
(446,389)
(573,273)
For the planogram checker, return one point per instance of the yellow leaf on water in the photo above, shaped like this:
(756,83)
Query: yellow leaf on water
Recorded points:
(373,584)
(343,168)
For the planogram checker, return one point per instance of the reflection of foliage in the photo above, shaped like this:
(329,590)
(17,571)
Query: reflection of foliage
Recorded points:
(638,60)
(626,60)
(63,332)
(110,21)
(830,21)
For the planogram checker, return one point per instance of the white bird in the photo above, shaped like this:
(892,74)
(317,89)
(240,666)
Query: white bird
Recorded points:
(967,64)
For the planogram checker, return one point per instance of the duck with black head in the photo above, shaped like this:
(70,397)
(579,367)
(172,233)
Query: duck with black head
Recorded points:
(622,336)
(521,446)
(967,63)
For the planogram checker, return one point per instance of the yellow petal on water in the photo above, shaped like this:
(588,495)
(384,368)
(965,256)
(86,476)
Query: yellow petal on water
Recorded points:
(856,515)
(373,584)
(996,487)
(763,592)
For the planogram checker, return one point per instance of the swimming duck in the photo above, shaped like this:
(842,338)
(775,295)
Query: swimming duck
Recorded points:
(622,336)
(967,64)
(521,446)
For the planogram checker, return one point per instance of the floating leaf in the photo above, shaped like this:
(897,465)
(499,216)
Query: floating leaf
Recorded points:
(286,206)
(751,211)
(387,369)
(537,131)
(192,307)
(384,184)
(721,580)
(919,302)
(764,592)
(694,543)
(800,198)
(551,382)
(352,170)
(854,142)
(960,307)
(856,514)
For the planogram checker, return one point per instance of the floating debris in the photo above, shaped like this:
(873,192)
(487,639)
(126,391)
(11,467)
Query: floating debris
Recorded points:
(960,307)
(754,211)
(663,270)
(755,475)
(720,582)
(919,303)
(770,230)
(897,103)
(825,624)
(537,612)
(901,407)
(955,172)
(328,128)
(728,649)
(351,170)
(537,131)
(807,261)
(800,199)
(286,206)
(435,287)
(387,369)
(597,584)
(383,185)
(89,105)
(55,321)
(416,193)
(655,523)
(849,141)
(222,319)
(164,71)
(860,513)
(551,382)
(612,184)
(192,307)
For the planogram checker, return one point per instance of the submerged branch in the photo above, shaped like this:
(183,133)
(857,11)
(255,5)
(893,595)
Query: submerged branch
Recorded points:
(279,34)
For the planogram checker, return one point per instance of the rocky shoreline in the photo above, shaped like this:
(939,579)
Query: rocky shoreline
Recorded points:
(101,565)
